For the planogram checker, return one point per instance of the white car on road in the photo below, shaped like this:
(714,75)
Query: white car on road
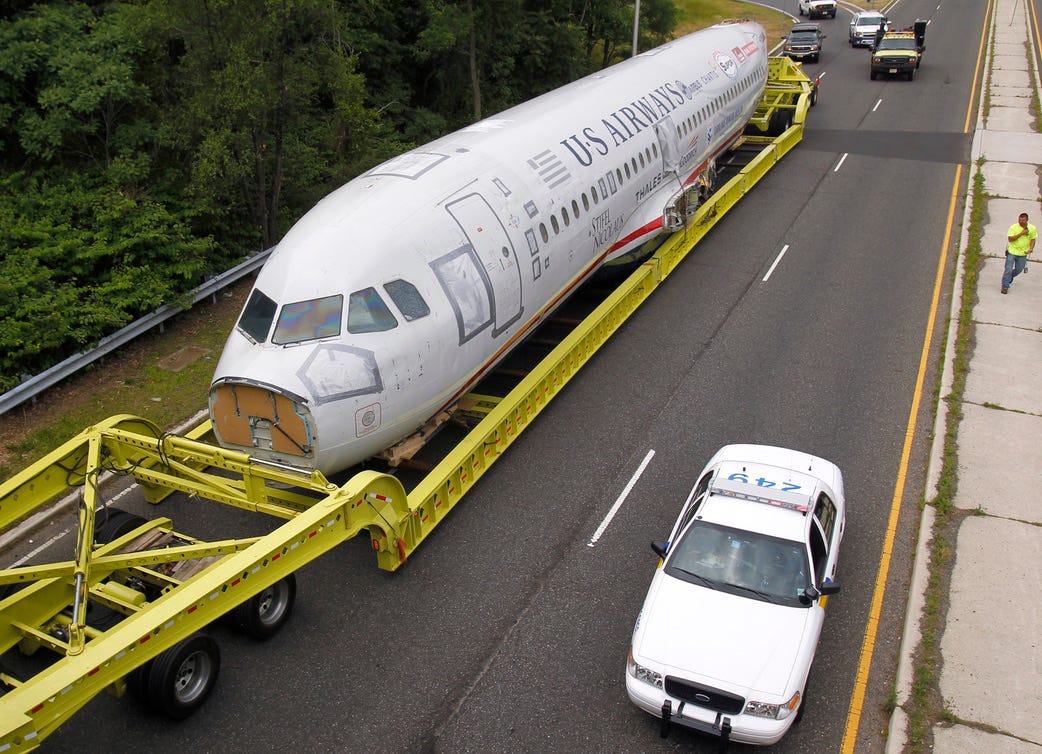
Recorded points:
(863,28)
(728,631)
(816,8)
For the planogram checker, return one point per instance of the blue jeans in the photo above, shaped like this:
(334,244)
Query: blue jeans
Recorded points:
(1014,266)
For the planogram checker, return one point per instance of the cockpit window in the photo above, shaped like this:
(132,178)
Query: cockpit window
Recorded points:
(408,300)
(309,320)
(367,312)
(257,316)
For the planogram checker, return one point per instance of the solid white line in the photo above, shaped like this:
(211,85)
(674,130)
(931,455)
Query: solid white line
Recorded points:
(840,163)
(622,497)
(878,103)
(777,259)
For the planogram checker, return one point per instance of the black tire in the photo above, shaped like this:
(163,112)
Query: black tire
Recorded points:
(911,73)
(779,123)
(803,703)
(264,614)
(182,677)
(813,95)
(6,590)
(872,75)
(114,523)
(137,681)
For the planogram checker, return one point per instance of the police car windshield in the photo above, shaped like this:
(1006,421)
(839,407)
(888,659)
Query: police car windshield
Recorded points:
(753,565)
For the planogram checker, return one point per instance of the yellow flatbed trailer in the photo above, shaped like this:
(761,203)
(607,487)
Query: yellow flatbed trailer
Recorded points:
(155,589)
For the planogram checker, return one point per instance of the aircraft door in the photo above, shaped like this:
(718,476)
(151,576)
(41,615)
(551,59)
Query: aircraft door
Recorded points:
(668,144)
(494,248)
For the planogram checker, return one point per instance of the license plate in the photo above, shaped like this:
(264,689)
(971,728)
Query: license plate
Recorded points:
(893,70)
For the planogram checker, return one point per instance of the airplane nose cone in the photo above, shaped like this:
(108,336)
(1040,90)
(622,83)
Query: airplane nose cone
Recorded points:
(263,421)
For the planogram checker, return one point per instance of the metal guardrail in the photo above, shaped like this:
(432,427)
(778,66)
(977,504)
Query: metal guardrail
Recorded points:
(37,384)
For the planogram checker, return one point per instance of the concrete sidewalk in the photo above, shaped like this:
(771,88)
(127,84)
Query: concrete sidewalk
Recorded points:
(991,679)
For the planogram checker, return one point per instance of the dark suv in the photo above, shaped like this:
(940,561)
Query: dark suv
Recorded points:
(804,42)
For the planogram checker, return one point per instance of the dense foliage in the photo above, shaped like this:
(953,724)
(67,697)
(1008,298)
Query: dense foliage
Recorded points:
(147,145)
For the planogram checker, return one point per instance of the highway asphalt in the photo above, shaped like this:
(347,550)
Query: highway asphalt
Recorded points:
(990,678)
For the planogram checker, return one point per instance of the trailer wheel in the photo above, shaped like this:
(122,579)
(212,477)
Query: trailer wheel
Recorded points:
(813,95)
(264,614)
(779,123)
(182,677)
(116,523)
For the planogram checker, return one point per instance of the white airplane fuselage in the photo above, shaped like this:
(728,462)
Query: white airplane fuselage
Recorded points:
(397,292)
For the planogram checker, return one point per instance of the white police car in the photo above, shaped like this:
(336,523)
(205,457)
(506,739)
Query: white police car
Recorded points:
(728,631)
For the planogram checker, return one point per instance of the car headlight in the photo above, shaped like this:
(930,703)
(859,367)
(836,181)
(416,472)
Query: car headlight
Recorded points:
(775,711)
(877,60)
(641,673)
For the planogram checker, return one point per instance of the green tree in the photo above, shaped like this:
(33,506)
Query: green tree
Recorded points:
(69,92)
(268,107)
(80,261)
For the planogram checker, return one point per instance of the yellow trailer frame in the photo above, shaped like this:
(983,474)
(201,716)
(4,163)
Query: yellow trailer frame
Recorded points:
(50,609)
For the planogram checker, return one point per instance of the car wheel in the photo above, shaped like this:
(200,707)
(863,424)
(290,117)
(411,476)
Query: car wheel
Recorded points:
(872,75)
(803,704)
(911,74)
(180,679)
(262,615)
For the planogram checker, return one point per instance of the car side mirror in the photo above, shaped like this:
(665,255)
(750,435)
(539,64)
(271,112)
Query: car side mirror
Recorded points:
(660,547)
(812,593)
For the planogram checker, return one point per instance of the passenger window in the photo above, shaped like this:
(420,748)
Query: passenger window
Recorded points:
(698,495)
(564,216)
(818,553)
(586,202)
(257,316)
(543,233)
(309,320)
(408,300)
(825,512)
(575,209)
(367,312)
